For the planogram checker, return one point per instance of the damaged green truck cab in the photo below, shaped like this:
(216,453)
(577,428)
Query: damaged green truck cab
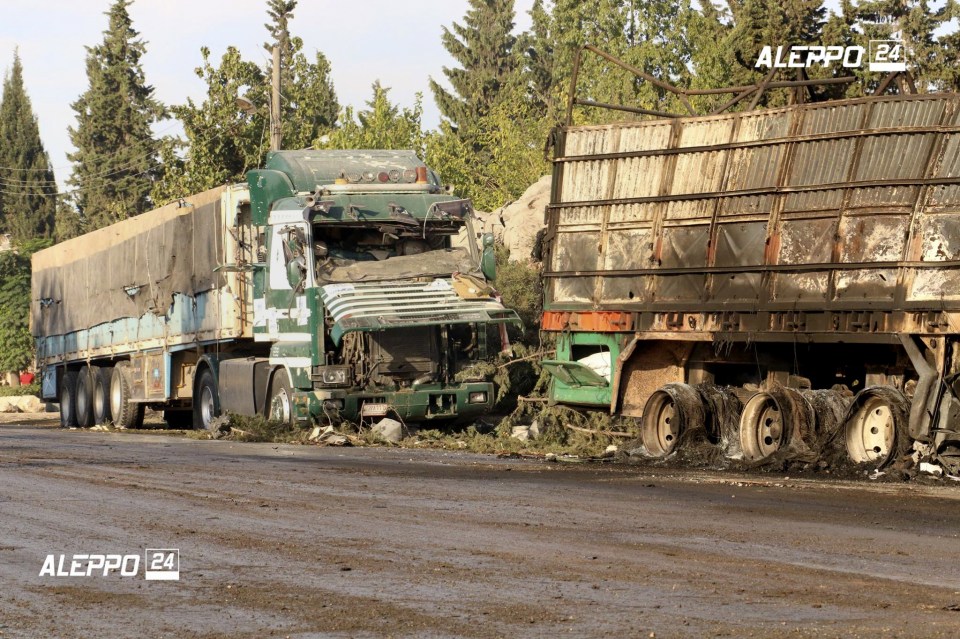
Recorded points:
(362,298)
(326,288)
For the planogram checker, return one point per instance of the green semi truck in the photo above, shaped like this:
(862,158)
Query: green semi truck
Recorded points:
(326,288)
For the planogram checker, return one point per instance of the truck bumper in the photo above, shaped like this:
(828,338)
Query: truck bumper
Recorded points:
(433,402)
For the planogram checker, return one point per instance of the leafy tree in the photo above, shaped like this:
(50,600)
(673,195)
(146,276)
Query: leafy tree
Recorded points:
(949,46)
(511,135)
(382,125)
(222,141)
(916,22)
(483,45)
(69,222)
(308,101)
(27,184)
(16,344)
(652,36)
(116,154)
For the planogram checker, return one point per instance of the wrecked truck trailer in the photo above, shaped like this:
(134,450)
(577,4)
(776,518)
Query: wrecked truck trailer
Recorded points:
(781,282)
(324,289)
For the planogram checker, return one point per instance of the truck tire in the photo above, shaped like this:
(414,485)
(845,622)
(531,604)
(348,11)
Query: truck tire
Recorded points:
(279,406)
(125,414)
(68,400)
(206,401)
(84,400)
(101,394)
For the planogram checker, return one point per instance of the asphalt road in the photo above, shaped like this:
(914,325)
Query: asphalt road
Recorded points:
(296,541)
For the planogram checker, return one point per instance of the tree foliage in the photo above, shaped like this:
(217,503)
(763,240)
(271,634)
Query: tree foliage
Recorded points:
(115,161)
(483,46)
(27,186)
(511,136)
(16,343)
(382,125)
(308,101)
(223,142)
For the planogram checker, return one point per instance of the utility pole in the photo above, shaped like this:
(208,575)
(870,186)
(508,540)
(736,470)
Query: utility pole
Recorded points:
(276,132)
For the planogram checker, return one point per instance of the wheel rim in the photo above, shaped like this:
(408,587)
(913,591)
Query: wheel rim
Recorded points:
(66,406)
(280,406)
(661,424)
(83,396)
(116,395)
(99,402)
(871,431)
(207,408)
(761,427)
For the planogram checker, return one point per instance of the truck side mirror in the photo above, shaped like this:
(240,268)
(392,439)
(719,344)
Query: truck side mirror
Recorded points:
(488,260)
(294,246)
(297,272)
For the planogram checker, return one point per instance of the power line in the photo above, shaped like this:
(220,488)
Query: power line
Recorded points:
(23,185)
(78,189)
(96,158)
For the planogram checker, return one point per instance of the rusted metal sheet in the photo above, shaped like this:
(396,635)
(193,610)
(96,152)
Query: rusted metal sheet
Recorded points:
(843,205)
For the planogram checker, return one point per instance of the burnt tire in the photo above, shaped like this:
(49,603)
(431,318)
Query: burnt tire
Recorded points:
(206,401)
(125,414)
(84,400)
(68,400)
(279,406)
(670,413)
(876,429)
(101,394)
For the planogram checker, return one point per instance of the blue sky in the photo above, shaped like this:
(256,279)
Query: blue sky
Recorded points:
(397,42)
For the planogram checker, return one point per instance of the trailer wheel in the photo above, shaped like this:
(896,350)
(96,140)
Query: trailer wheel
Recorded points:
(280,405)
(101,394)
(84,401)
(761,427)
(206,401)
(68,397)
(125,414)
(876,425)
(670,412)
(778,421)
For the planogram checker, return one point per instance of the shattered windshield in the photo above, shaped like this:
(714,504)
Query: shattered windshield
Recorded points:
(383,252)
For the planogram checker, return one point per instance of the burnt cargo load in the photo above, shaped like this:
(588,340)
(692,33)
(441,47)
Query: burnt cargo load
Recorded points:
(780,280)
(324,289)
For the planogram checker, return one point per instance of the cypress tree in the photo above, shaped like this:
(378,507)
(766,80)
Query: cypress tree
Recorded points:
(26,179)
(116,154)
(538,49)
(483,45)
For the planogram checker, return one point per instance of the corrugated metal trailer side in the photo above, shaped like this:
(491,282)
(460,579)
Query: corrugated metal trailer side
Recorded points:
(810,247)
(841,206)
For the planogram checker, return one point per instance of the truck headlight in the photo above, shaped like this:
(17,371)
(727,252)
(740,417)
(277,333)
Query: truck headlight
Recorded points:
(479,397)
(333,375)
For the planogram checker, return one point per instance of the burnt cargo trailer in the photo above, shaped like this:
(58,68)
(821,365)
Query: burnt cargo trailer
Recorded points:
(774,279)
(325,288)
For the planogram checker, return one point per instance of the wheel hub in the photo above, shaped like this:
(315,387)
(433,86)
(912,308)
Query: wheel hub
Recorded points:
(871,431)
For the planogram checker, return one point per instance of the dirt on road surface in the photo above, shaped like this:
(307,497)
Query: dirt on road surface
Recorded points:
(300,541)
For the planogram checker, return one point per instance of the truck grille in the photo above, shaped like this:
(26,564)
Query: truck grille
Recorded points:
(404,354)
